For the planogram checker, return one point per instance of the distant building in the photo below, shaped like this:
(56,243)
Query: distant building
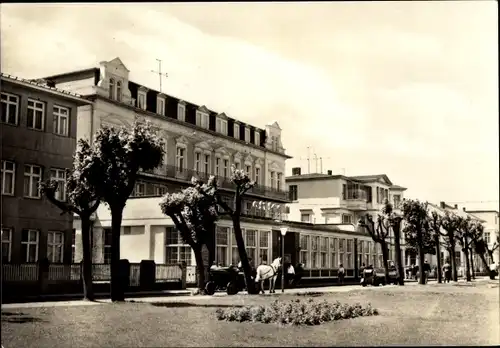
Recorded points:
(491,229)
(38,134)
(339,199)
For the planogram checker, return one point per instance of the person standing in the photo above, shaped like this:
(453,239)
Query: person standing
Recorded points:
(341,274)
(427,271)
(447,272)
(361,270)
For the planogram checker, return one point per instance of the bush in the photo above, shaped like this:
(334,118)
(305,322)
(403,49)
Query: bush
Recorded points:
(296,312)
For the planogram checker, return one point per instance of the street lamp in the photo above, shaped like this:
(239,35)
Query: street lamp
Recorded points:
(283,233)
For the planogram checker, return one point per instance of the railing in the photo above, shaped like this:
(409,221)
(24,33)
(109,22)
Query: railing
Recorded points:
(30,272)
(183,174)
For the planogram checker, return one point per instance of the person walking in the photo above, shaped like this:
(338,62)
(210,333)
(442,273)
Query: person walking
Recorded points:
(341,274)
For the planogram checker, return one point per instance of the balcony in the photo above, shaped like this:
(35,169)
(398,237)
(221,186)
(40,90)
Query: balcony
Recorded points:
(185,175)
(355,200)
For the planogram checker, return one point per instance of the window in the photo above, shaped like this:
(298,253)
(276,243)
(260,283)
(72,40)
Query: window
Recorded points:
(119,91)
(8,177)
(222,244)
(217,166)
(248,208)
(374,254)
(181,112)
(221,126)
(341,251)
(346,219)
(264,253)
(176,251)
(397,200)
(248,170)
(160,106)
(180,158)
(61,120)
(304,250)
(206,164)
(32,177)
(257,137)
(247,134)
(315,252)
(349,258)
(257,175)
(333,253)
(367,252)
(279,180)
(235,255)
(10,107)
(29,245)
(141,100)
(225,168)
(273,179)
(160,190)
(140,189)
(305,217)
(251,244)
(111,92)
(237,163)
(73,246)
(197,162)
(107,245)
(324,252)
(274,142)
(236,131)
(59,176)
(293,192)
(6,244)
(202,119)
(487,237)
(35,114)
(55,247)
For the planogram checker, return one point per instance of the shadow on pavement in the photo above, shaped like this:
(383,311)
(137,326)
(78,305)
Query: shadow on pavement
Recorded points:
(20,318)
(187,304)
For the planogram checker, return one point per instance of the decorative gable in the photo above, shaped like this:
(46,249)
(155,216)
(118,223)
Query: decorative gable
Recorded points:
(259,162)
(182,140)
(223,151)
(238,155)
(117,64)
(222,116)
(203,145)
(249,159)
(203,109)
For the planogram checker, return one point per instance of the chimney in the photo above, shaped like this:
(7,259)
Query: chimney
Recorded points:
(456,206)
(296,171)
(329,172)
(442,205)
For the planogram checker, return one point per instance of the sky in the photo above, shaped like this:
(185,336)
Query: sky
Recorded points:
(407,89)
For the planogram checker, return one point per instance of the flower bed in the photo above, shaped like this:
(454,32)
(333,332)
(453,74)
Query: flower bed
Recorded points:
(296,312)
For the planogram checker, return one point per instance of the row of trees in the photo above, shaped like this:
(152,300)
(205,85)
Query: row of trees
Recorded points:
(426,232)
(106,171)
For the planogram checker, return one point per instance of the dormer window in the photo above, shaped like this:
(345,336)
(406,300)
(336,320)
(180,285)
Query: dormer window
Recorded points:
(119,90)
(247,134)
(160,105)
(181,112)
(257,138)
(202,119)
(236,131)
(111,94)
(141,99)
(221,125)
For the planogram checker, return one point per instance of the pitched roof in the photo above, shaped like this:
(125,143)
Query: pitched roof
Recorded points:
(371,178)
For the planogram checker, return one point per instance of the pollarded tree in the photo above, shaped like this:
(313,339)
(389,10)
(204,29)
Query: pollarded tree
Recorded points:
(451,223)
(119,154)
(435,225)
(417,229)
(379,231)
(481,249)
(194,212)
(243,183)
(464,238)
(390,220)
(81,200)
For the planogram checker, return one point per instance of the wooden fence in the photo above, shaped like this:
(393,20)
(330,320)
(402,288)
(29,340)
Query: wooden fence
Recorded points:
(31,279)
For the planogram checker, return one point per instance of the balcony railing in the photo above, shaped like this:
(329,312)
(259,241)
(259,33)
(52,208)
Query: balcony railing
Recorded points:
(183,174)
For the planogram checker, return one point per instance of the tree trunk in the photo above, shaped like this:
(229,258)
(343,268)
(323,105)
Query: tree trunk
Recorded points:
(451,255)
(116,287)
(454,274)
(491,274)
(385,259)
(251,289)
(399,256)
(88,293)
(473,273)
(467,265)
(200,267)
(438,254)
